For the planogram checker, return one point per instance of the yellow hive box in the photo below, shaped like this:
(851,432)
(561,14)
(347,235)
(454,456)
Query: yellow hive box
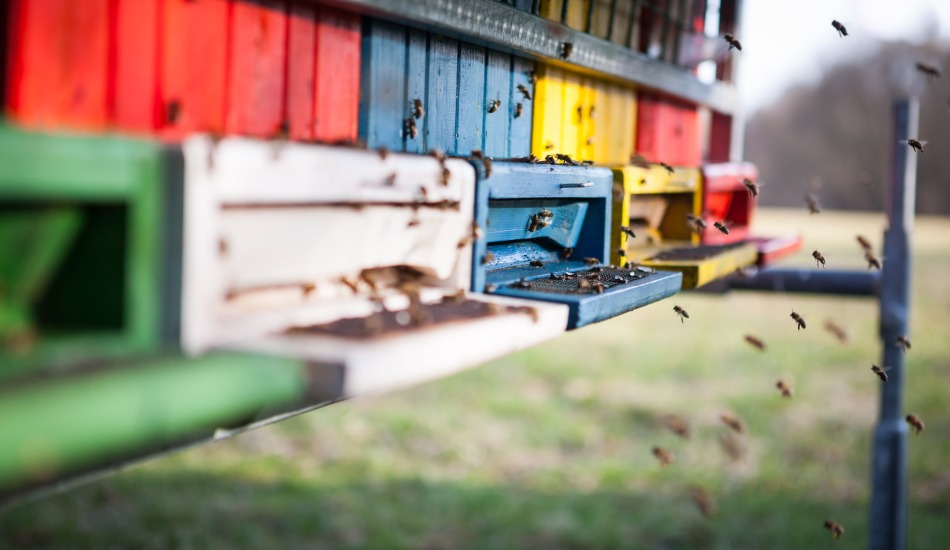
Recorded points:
(654,203)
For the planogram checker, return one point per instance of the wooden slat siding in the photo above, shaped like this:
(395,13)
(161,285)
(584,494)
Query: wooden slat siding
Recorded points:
(442,94)
(383,104)
(667,131)
(472,103)
(257,58)
(720,137)
(417,59)
(59,69)
(547,124)
(498,86)
(136,106)
(301,67)
(586,136)
(520,133)
(193,78)
(570,121)
(576,12)
(601,19)
(336,107)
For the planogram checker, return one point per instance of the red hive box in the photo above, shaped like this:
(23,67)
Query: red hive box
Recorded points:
(668,131)
(725,197)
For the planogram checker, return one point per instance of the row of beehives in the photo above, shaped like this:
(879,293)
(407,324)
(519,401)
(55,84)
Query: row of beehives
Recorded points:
(297,70)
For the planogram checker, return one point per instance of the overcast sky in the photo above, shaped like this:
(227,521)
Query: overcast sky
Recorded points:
(790,42)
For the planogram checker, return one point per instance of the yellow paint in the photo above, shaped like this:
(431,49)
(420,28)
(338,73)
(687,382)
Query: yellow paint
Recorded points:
(571,117)
(697,273)
(576,12)
(546,126)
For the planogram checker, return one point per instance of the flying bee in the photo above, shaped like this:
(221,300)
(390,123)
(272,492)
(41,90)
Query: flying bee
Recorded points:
(536,263)
(784,388)
(417,110)
(751,186)
(411,129)
(678,425)
(591,261)
(734,423)
(493,105)
(799,320)
(477,153)
(628,230)
(704,501)
(812,203)
(865,243)
(519,109)
(903,342)
(732,446)
(929,70)
(664,456)
(915,144)
(819,259)
(390,180)
(567,48)
(880,372)
(915,422)
(695,223)
(732,41)
(838,331)
(873,261)
(566,159)
(488,258)
(755,342)
(525,92)
(836,529)
(667,167)
(681,313)
(842,31)
(722,227)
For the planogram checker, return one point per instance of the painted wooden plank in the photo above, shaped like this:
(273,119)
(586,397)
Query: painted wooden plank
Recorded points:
(9,36)
(521,126)
(193,78)
(576,12)
(773,249)
(549,113)
(301,67)
(600,22)
(667,131)
(336,107)
(697,273)
(498,87)
(510,220)
(571,117)
(383,78)
(59,68)
(587,124)
(257,62)
(720,137)
(472,103)
(442,93)
(135,47)
(417,59)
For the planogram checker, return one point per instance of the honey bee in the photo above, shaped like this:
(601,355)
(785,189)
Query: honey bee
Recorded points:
(812,203)
(681,313)
(533,77)
(590,140)
(566,253)
(915,422)
(799,320)
(591,112)
(628,230)
(836,529)
(915,144)
(734,423)
(383,153)
(732,41)
(490,288)
(784,388)
(493,105)
(521,283)
(524,92)
(477,153)
(751,186)
(591,261)
(704,501)
(695,223)
(903,342)
(929,70)
(865,243)
(755,342)
(732,446)
(437,154)
(411,129)
(621,252)
(664,456)
(536,263)
(446,175)
(519,109)
(838,331)
(873,261)
(557,276)
(819,259)
(597,287)
(417,110)
(667,167)
(173,111)
(414,221)
(583,283)
(567,48)
(678,425)
(488,258)
(566,159)
(639,161)
(308,288)
(880,372)
(842,31)
(722,227)
(534,223)
(619,279)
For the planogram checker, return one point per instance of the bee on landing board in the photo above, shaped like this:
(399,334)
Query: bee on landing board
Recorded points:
(536,263)
(567,48)
(752,187)
(929,70)
(755,342)
(784,388)
(488,258)
(417,110)
(734,422)
(732,41)
(799,320)
(681,313)
(667,167)
(903,342)
(678,425)
(915,423)
(812,202)
(842,31)
(880,372)
(819,259)
(704,501)
(664,456)
(836,529)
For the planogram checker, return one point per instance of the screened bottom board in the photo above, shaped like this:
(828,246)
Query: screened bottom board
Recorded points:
(571,282)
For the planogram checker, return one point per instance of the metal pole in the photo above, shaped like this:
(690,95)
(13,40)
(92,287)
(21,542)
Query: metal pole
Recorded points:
(889,459)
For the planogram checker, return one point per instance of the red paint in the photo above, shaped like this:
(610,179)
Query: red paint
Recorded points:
(258,57)
(668,131)
(337,92)
(136,105)
(193,72)
(59,63)
(301,85)
(720,137)
(725,197)
(773,249)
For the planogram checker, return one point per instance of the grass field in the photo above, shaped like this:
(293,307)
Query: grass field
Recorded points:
(551,447)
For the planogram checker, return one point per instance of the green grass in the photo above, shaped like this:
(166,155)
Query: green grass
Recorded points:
(550,448)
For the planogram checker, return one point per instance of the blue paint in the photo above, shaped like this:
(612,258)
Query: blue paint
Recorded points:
(497,86)
(382,80)
(416,86)
(511,220)
(471,99)
(442,91)
(519,137)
